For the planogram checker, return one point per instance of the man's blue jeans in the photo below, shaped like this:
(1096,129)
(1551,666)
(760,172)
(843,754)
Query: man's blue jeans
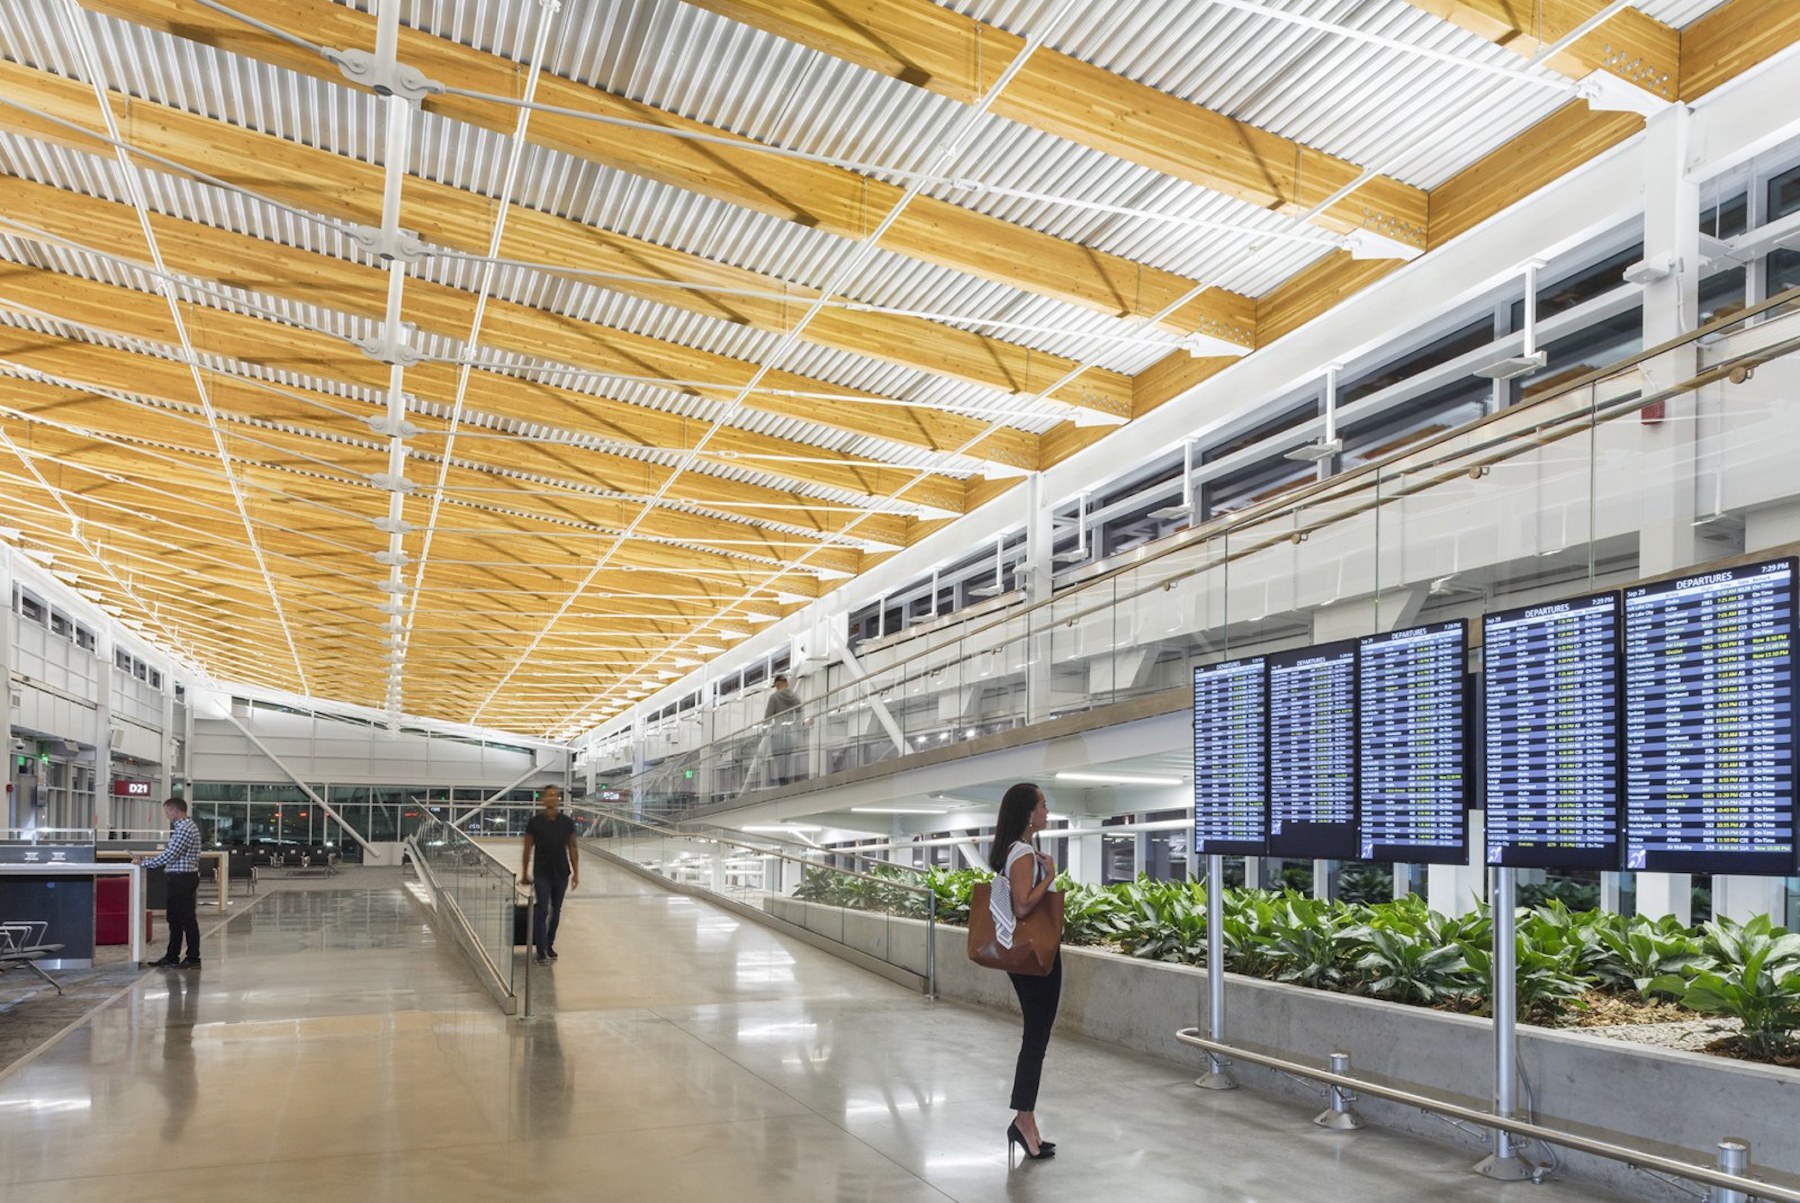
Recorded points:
(548,913)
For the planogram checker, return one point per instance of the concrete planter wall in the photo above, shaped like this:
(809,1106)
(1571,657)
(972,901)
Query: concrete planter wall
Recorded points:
(1676,1104)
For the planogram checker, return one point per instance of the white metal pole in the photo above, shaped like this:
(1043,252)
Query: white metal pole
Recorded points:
(1505,1163)
(1218,1067)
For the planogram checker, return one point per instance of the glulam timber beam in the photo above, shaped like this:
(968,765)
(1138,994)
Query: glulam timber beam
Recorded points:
(736,170)
(945,52)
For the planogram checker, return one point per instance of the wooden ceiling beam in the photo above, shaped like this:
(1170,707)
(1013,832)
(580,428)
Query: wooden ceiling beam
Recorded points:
(1637,48)
(237,261)
(602,349)
(257,448)
(1733,38)
(1713,50)
(816,195)
(141,315)
(913,342)
(943,51)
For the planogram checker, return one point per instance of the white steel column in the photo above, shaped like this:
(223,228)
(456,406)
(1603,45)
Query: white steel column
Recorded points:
(1086,850)
(1458,889)
(100,810)
(165,754)
(1040,545)
(1669,274)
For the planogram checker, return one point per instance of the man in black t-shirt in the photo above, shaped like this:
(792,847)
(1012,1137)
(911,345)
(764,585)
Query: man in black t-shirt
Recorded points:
(551,856)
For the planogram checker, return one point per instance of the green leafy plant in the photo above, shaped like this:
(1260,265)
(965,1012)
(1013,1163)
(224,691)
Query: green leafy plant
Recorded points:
(1407,967)
(1251,926)
(1400,949)
(1365,883)
(1639,952)
(1757,983)
(1575,895)
(1546,980)
(1314,947)
(1092,914)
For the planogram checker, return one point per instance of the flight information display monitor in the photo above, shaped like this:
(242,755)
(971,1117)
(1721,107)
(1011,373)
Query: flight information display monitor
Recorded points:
(1231,778)
(1552,716)
(1709,722)
(1312,752)
(1412,754)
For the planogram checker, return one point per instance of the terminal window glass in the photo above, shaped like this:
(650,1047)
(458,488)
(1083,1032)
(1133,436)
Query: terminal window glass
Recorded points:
(1581,286)
(1453,345)
(1784,271)
(1722,293)
(1784,194)
(1727,219)
(1437,411)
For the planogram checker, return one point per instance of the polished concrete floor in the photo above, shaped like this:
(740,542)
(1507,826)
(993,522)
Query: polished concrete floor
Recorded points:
(333,1050)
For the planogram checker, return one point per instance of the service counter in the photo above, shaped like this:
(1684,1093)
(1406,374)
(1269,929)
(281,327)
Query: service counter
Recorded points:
(60,894)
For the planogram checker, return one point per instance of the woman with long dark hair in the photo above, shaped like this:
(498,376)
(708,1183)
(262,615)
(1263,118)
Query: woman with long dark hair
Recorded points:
(1024,877)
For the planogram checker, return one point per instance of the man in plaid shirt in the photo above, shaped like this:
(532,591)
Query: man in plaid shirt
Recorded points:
(182,860)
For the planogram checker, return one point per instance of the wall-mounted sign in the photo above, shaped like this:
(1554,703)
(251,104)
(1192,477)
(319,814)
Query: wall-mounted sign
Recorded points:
(123,788)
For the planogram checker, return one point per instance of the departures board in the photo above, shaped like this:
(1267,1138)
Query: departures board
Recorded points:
(1312,752)
(1231,757)
(1412,745)
(1551,761)
(1709,722)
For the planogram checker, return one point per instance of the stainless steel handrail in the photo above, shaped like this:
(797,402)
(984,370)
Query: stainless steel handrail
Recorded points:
(1705,1175)
(1352,480)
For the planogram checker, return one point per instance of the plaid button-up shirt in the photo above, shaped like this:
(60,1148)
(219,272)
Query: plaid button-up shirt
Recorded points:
(183,853)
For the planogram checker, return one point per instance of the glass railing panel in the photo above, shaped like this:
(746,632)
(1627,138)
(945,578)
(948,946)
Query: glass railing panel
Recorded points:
(1078,627)
(480,887)
(883,910)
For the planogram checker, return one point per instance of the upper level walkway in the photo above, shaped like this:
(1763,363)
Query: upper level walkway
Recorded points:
(332,1048)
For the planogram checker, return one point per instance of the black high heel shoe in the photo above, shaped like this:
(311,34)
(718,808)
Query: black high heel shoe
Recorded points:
(1016,1137)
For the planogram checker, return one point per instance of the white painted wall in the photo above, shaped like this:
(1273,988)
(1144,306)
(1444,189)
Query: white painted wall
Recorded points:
(320,749)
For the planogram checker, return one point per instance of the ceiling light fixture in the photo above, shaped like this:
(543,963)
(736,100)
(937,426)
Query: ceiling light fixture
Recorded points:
(899,810)
(1119,779)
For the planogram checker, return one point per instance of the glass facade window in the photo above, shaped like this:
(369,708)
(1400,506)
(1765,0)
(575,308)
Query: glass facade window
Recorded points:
(1256,484)
(1783,271)
(1582,286)
(1443,409)
(1728,218)
(1783,194)
(1722,294)
(1454,345)
(1576,355)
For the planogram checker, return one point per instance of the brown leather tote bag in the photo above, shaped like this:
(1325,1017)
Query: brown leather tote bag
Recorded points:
(1036,937)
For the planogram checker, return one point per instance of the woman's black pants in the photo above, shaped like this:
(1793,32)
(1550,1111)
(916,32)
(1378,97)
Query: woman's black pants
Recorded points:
(1038,997)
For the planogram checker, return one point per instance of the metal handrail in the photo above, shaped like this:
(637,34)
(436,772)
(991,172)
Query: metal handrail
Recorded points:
(1353,479)
(1705,1175)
